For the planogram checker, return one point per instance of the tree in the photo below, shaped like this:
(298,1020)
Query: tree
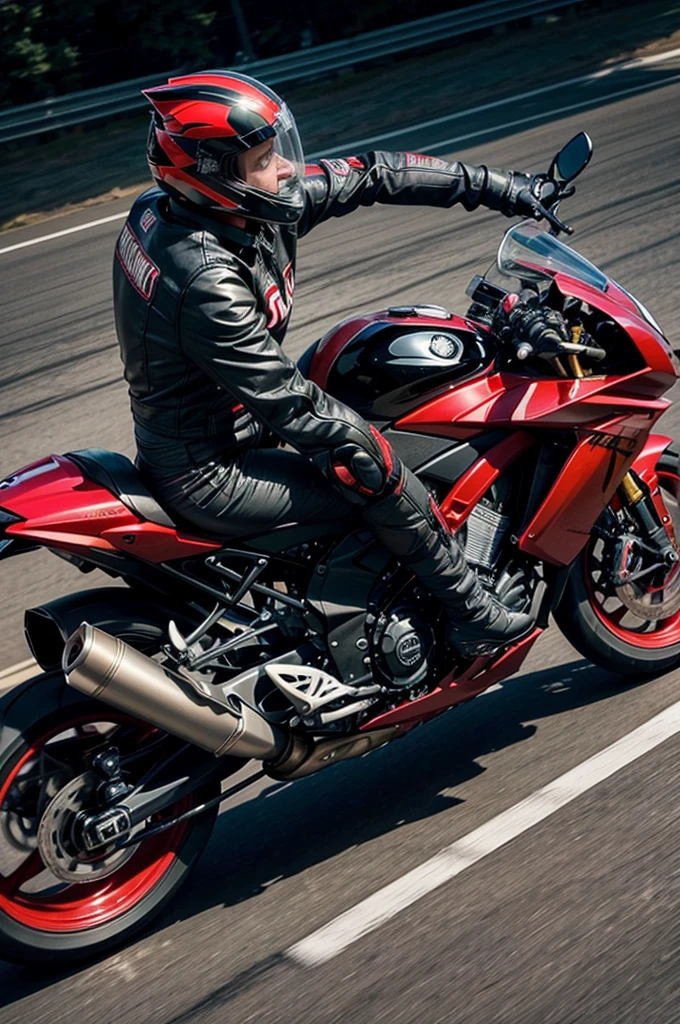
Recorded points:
(31,60)
(50,49)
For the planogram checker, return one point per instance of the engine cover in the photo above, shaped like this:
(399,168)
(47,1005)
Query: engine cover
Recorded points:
(403,647)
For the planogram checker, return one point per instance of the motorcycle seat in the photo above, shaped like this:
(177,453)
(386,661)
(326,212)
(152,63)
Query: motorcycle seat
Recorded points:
(118,475)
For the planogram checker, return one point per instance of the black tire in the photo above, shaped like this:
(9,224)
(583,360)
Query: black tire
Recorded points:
(57,705)
(589,634)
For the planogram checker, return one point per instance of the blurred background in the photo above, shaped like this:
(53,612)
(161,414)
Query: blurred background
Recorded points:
(51,48)
(51,52)
(578,920)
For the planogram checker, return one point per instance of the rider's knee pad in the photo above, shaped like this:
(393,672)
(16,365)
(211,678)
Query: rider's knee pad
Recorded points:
(370,470)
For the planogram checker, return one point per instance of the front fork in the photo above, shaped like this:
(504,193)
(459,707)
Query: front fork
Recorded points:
(652,547)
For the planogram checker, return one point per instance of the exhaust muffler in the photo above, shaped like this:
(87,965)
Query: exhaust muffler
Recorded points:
(107,669)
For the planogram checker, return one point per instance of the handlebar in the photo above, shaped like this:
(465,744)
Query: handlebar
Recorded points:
(524,350)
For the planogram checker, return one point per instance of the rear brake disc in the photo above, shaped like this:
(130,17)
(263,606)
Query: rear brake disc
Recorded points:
(58,840)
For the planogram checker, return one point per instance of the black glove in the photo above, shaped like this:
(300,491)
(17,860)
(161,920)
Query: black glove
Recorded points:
(519,195)
(521,320)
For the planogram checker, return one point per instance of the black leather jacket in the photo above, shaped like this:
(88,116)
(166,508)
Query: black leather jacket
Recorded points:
(201,308)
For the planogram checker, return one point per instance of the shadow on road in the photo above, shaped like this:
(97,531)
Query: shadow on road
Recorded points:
(288,828)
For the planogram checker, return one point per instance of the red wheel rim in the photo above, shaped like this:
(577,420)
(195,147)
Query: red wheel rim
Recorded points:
(617,618)
(72,908)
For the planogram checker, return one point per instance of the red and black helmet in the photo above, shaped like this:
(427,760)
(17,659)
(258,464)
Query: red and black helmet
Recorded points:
(200,124)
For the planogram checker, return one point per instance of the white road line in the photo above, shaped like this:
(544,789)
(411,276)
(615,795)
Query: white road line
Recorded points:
(20,666)
(557,110)
(383,905)
(66,231)
(518,97)
(15,674)
(357,144)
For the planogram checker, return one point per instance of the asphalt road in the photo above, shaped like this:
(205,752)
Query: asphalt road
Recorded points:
(575,920)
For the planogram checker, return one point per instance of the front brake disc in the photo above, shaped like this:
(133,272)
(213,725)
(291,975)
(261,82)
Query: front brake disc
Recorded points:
(652,604)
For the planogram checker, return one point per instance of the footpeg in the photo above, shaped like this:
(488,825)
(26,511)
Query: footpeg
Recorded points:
(308,689)
(311,689)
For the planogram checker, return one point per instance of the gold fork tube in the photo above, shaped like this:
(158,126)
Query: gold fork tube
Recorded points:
(631,492)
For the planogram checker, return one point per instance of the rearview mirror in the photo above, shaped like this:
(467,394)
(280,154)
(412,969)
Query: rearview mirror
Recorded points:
(572,158)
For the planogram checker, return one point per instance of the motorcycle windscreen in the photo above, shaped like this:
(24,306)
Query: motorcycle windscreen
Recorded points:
(531,254)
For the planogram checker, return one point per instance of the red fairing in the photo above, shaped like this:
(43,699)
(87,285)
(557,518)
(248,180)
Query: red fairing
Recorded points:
(467,491)
(456,687)
(512,401)
(616,304)
(645,462)
(63,509)
(563,523)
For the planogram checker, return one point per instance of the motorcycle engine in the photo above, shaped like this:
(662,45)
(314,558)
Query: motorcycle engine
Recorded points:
(403,646)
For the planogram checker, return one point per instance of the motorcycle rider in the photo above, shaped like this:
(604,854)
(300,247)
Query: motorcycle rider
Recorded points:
(203,288)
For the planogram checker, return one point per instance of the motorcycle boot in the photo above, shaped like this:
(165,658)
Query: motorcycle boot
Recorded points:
(409,524)
(481,624)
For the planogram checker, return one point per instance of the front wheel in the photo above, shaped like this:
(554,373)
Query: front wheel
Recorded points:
(49,735)
(634,631)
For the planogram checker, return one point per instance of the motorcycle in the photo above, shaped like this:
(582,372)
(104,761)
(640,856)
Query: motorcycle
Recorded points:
(302,647)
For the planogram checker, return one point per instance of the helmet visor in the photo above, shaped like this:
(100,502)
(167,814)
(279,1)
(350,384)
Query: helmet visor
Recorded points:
(282,199)
(288,150)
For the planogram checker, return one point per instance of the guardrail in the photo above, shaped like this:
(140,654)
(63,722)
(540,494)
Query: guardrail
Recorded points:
(125,97)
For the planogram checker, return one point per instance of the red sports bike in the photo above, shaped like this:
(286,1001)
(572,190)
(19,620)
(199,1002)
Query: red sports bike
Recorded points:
(300,648)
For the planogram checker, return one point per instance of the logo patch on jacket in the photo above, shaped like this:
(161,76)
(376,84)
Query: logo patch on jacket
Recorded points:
(278,305)
(147,220)
(140,270)
(418,160)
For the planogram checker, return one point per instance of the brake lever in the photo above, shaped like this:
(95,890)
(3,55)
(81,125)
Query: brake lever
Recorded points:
(558,224)
(548,210)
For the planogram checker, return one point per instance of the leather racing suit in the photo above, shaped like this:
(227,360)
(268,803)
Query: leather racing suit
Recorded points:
(201,309)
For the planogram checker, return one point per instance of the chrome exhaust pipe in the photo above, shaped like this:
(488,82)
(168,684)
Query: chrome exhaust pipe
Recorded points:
(298,762)
(107,669)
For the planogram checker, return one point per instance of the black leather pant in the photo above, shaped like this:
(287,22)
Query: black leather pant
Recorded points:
(256,491)
(264,488)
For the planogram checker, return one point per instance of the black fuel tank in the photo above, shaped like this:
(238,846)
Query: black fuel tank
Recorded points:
(386,364)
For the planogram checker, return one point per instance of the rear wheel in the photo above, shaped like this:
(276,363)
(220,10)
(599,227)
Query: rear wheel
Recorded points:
(635,629)
(57,904)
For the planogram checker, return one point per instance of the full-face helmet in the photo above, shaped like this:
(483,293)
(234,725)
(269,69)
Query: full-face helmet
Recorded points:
(202,122)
